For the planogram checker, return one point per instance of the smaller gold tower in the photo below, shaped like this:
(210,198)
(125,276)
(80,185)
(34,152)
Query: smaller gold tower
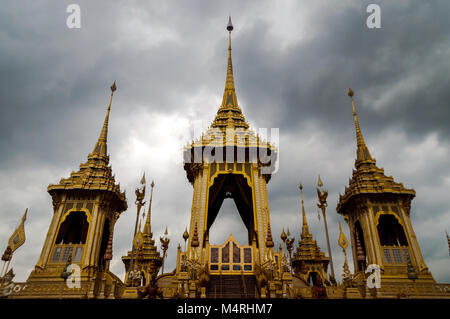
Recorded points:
(308,261)
(143,262)
(74,262)
(377,210)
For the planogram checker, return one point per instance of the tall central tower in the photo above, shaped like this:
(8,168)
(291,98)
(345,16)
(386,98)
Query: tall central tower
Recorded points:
(229,160)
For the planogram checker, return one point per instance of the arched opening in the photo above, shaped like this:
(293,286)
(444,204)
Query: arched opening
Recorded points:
(228,221)
(314,279)
(390,231)
(233,186)
(361,250)
(74,229)
(104,244)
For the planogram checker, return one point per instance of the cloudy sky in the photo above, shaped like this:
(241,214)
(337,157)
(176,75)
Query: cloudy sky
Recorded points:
(293,62)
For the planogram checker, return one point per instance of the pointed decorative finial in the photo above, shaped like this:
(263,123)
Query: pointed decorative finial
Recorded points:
(229,25)
(100,147)
(319,183)
(283,236)
(165,232)
(362,152)
(143,179)
(305,227)
(113,87)
(350,92)
(185,234)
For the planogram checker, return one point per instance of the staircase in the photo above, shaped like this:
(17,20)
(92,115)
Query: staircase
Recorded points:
(231,286)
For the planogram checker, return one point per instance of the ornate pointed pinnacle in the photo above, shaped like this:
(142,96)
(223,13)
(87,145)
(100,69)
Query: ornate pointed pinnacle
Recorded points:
(229,84)
(185,234)
(100,147)
(230,25)
(143,179)
(283,236)
(362,152)
(319,183)
(147,227)
(305,228)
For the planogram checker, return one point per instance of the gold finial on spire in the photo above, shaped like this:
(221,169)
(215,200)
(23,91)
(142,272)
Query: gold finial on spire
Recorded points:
(305,227)
(319,183)
(362,152)
(100,147)
(229,84)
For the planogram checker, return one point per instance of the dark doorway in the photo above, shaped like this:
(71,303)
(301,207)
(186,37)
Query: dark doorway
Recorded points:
(74,229)
(390,231)
(236,187)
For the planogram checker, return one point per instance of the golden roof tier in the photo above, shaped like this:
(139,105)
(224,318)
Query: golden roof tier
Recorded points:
(95,174)
(367,178)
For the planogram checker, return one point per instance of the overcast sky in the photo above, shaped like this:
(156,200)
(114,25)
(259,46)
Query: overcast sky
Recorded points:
(293,62)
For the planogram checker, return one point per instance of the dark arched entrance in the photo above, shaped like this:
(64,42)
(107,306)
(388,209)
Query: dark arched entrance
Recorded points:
(233,186)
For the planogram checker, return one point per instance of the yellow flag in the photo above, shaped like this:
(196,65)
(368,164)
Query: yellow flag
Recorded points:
(18,237)
(343,242)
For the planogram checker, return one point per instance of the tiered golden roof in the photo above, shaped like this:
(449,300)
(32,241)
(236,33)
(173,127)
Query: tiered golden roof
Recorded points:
(307,249)
(95,174)
(230,116)
(368,178)
(145,250)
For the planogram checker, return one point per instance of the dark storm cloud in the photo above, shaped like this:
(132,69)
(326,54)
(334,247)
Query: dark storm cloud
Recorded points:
(293,63)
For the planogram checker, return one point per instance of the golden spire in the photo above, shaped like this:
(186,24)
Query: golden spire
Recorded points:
(305,227)
(147,227)
(229,114)
(229,83)
(319,183)
(362,152)
(100,147)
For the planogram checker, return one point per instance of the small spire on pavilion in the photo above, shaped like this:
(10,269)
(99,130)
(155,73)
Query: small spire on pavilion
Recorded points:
(100,147)
(305,227)
(362,152)
(229,113)
(147,227)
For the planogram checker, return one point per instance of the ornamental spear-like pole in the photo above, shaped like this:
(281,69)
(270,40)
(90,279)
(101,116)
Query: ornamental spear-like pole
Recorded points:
(322,204)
